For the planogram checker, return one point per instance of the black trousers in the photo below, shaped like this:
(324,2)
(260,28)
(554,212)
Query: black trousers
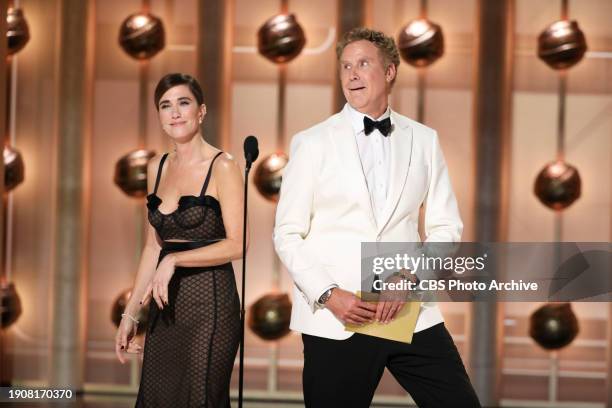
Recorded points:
(345,373)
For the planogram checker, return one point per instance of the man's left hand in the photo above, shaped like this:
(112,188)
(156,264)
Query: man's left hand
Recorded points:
(392,301)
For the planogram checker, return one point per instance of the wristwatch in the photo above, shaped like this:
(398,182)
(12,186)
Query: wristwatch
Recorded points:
(325,296)
(407,275)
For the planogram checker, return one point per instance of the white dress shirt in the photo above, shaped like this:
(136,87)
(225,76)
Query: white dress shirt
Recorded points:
(375,153)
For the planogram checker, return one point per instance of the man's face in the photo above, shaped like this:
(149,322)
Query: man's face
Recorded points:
(365,81)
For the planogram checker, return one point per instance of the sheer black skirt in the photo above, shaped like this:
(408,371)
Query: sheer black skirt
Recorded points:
(191,344)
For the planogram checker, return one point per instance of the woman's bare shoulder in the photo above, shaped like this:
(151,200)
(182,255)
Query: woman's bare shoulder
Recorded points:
(153,163)
(226,164)
(152,170)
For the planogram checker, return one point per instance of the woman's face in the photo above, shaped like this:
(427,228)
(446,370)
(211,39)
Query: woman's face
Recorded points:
(179,112)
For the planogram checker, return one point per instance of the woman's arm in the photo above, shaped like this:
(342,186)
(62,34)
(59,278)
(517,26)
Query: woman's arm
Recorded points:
(146,270)
(150,252)
(144,274)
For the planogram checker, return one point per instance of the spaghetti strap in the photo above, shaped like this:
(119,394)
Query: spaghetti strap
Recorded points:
(205,186)
(159,171)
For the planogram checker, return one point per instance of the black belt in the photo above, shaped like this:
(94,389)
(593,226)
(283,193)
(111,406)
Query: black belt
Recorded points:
(186,245)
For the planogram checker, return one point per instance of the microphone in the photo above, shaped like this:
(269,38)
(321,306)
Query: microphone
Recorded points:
(251,150)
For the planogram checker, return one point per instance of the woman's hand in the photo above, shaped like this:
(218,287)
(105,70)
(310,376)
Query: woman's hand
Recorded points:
(125,339)
(158,287)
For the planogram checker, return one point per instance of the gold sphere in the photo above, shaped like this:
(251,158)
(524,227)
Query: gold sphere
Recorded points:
(17,31)
(119,307)
(14,169)
(269,175)
(553,326)
(10,304)
(558,185)
(269,316)
(281,38)
(142,35)
(131,172)
(421,42)
(562,44)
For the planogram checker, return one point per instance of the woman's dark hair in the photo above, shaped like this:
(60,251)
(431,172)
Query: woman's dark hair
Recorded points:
(172,80)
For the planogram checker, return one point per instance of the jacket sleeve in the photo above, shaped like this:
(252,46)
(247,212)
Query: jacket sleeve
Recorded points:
(293,221)
(442,220)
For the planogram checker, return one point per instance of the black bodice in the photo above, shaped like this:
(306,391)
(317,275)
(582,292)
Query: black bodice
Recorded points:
(197,218)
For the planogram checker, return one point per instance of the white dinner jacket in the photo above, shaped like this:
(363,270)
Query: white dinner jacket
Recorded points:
(325,212)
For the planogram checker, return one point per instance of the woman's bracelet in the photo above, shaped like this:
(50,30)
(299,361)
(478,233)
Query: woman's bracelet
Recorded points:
(129,316)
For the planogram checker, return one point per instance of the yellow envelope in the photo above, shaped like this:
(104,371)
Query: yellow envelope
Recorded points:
(399,329)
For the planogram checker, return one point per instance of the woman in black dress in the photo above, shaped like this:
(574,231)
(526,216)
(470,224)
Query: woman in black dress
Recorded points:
(195,215)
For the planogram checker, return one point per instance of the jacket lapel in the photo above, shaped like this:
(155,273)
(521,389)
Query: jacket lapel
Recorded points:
(401,151)
(346,149)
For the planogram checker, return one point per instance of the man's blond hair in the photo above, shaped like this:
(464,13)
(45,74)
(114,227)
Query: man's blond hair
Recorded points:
(385,45)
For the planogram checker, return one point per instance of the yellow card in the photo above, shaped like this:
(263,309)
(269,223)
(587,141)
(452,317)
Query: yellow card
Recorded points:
(399,329)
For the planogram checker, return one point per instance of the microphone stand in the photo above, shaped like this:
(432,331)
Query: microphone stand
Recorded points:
(247,169)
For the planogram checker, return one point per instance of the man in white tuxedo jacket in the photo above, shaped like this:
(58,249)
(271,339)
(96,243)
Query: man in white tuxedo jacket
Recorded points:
(362,176)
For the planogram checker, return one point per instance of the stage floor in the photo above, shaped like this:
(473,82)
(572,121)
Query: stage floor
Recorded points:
(128,402)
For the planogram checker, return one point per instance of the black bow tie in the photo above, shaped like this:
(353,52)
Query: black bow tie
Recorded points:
(383,126)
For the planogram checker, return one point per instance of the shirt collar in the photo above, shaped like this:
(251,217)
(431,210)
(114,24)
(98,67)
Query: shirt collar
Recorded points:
(356,118)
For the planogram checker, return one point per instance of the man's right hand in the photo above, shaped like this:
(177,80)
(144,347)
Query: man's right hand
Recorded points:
(349,308)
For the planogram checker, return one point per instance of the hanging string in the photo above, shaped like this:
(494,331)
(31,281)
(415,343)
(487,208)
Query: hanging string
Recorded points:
(562,92)
(280,137)
(421,76)
(143,81)
(273,349)
(423,7)
(558,215)
(282,93)
(280,131)
(562,87)
(421,82)
(564,10)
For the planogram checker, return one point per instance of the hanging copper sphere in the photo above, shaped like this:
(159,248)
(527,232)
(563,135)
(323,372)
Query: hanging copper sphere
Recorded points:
(562,44)
(270,315)
(553,326)
(10,304)
(421,42)
(14,169)
(17,30)
(131,172)
(119,307)
(558,185)
(142,35)
(269,175)
(281,38)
